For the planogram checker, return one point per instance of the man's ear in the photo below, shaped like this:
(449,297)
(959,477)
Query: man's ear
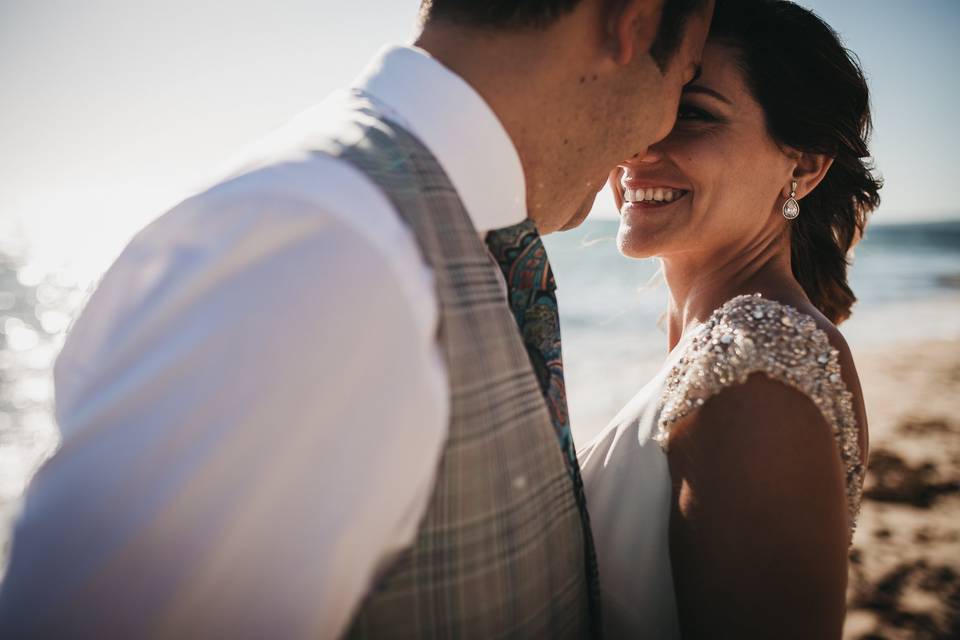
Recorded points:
(632,27)
(810,170)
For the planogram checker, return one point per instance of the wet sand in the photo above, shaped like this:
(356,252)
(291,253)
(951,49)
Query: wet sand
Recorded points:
(905,560)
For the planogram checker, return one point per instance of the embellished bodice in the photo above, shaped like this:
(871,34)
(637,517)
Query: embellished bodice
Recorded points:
(750,334)
(626,471)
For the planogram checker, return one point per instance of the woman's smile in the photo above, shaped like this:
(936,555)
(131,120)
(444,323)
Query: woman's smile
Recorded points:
(634,194)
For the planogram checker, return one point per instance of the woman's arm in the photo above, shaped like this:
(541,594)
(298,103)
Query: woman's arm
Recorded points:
(760,531)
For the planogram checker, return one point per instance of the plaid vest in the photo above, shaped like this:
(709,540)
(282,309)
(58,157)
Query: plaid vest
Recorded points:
(500,550)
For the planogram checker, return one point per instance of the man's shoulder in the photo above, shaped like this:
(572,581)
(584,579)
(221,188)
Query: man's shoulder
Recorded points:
(289,162)
(284,181)
(282,202)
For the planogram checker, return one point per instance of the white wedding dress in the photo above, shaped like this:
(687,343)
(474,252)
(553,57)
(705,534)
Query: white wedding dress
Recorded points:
(625,471)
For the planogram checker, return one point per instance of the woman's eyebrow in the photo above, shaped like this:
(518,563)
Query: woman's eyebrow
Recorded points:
(707,90)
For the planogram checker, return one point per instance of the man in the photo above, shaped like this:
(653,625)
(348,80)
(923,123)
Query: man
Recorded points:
(299,406)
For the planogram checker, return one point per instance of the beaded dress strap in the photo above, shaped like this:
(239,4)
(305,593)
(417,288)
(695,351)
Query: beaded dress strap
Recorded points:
(750,334)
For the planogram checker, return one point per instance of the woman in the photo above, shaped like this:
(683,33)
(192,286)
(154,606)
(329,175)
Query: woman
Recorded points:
(723,497)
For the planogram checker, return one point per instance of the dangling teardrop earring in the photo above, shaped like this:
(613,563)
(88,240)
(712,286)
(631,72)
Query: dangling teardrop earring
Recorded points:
(791,208)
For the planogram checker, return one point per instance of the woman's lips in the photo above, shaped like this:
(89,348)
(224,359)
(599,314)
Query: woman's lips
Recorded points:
(635,190)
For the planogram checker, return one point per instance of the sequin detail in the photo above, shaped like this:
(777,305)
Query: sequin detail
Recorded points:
(750,334)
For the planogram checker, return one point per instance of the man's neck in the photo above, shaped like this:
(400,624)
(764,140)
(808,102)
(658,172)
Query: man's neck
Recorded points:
(529,82)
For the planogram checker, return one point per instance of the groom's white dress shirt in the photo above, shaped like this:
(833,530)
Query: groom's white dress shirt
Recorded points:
(254,394)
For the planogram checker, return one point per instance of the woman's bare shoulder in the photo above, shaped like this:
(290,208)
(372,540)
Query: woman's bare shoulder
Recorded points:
(770,364)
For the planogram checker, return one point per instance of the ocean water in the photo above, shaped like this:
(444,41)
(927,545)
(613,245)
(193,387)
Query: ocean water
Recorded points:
(907,278)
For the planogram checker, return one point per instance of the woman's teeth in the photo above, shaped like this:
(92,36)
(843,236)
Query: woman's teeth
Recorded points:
(657,194)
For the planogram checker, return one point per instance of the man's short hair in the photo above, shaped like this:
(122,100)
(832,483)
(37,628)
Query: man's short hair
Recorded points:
(537,14)
(497,14)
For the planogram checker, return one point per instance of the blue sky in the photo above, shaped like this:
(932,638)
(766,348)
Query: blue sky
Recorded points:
(113,112)
(909,51)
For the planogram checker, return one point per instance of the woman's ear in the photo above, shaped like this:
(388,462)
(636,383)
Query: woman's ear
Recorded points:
(632,27)
(810,170)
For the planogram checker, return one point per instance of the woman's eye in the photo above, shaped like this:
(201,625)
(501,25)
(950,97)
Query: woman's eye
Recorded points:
(689,112)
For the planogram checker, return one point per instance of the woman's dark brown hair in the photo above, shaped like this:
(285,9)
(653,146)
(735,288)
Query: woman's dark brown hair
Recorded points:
(815,98)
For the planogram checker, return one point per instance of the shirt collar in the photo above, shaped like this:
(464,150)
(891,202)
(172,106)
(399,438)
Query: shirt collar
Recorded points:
(458,127)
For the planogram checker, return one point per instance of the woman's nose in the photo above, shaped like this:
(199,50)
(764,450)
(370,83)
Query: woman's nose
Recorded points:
(652,155)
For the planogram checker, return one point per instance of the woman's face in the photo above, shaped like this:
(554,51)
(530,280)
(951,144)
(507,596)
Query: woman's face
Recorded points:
(715,182)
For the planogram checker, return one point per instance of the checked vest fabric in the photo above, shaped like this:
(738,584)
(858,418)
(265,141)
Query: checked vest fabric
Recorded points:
(522,258)
(500,550)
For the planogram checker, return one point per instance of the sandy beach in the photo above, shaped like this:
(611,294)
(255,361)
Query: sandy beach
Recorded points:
(905,560)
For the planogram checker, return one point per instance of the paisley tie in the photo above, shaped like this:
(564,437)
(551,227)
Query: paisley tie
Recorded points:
(531,289)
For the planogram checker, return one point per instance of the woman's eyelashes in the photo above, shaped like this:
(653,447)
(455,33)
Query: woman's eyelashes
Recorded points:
(691,113)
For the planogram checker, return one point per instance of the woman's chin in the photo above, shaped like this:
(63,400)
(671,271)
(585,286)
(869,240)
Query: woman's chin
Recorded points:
(641,235)
(634,243)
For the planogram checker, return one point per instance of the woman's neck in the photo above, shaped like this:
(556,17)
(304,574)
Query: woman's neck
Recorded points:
(700,282)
